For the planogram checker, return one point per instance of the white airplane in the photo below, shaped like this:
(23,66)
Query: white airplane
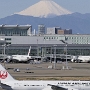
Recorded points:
(21,58)
(9,83)
(85,59)
(73,58)
(81,59)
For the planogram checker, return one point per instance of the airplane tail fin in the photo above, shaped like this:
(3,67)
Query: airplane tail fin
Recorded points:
(29,51)
(4,75)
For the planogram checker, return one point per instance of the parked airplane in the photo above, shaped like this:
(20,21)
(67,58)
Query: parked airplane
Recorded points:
(73,58)
(9,83)
(81,59)
(20,58)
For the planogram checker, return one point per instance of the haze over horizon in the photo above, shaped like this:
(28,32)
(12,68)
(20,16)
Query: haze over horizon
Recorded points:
(10,7)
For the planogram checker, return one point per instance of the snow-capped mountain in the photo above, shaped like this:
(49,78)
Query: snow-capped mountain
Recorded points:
(44,9)
(41,13)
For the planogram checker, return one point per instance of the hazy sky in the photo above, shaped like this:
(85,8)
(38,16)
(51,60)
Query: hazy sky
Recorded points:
(8,7)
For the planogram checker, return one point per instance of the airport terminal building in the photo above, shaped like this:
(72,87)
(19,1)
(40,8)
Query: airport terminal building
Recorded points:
(16,39)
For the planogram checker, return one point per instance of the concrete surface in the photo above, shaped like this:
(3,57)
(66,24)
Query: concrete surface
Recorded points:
(76,71)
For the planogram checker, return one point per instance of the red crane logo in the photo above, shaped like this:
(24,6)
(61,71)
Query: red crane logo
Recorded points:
(3,74)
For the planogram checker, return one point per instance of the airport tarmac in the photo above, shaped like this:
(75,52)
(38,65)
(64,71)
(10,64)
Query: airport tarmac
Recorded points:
(46,71)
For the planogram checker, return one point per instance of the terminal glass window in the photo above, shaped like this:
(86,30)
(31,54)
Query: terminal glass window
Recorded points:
(13,31)
(7,38)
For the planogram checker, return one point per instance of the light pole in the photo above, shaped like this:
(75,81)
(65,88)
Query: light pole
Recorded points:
(55,56)
(4,47)
(44,48)
(65,52)
(51,55)
(4,52)
(66,57)
(37,47)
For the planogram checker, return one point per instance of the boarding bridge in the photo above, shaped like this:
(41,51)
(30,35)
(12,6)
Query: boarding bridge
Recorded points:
(2,56)
(59,57)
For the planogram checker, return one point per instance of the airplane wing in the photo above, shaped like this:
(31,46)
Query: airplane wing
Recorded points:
(5,86)
(55,87)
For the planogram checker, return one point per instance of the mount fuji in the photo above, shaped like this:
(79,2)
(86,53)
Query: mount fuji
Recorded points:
(44,9)
(41,13)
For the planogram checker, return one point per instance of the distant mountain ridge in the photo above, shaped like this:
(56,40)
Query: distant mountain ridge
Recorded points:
(44,9)
(79,23)
(50,14)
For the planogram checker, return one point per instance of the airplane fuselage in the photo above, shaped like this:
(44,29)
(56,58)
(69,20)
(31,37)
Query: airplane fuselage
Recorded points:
(21,57)
(84,58)
(41,85)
